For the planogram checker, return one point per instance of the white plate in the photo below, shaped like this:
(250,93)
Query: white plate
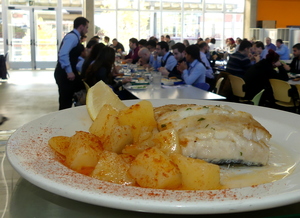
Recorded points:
(30,155)
(137,87)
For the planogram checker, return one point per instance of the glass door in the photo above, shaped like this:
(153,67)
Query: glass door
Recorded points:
(32,38)
(45,36)
(19,38)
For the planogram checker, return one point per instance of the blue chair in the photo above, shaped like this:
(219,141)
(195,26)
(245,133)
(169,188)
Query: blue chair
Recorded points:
(204,86)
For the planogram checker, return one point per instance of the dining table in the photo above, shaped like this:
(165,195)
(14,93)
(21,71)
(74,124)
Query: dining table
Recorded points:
(173,92)
(21,199)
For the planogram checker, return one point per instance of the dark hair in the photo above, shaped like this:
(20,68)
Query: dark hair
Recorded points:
(213,40)
(245,44)
(80,21)
(272,56)
(199,40)
(280,41)
(163,45)
(91,57)
(105,59)
(115,39)
(95,37)
(179,46)
(151,43)
(143,42)
(186,41)
(202,44)
(259,44)
(297,46)
(168,36)
(134,41)
(92,42)
(106,38)
(193,50)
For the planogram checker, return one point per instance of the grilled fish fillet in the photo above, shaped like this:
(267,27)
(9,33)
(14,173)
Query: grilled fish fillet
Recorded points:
(216,133)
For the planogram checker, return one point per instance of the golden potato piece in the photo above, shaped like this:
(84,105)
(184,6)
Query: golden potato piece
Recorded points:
(153,169)
(112,167)
(83,152)
(197,174)
(167,141)
(60,144)
(107,127)
(140,117)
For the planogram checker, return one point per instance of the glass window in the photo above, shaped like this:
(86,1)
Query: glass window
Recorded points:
(105,4)
(171,4)
(128,4)
(127,27)
(192,26)
(68,19)
(193,5)
(234,6)
(149,25)
(213,27)
(72,3)
(105,28)
(1,36)
(214,5)
(233,26)
(173,27)
(149,5)
(17,2)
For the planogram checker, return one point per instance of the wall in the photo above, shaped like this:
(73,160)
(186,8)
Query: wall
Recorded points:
(285,12)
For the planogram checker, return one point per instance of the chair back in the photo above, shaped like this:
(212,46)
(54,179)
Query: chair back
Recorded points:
(257,97)
(280,90)
(237,86)
(218,84)
(204,86)
(87,87)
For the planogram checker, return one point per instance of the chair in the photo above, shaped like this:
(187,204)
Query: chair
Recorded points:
(87,87)
(218,84)
(204,86)
(282,92)
(257,97)
(238,87)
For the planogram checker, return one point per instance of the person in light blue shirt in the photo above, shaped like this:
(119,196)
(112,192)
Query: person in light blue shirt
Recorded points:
(282,50)
(163,58)
(66,74)
(194,71)
(269,44)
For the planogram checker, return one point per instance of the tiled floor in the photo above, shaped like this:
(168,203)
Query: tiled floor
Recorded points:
(27,95)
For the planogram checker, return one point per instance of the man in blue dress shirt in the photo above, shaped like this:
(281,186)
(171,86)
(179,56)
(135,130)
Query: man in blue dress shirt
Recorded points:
(282,50)
(66,74)
(269,44)
(163,58)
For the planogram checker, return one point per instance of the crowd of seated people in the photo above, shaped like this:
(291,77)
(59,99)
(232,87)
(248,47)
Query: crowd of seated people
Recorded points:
(255,62)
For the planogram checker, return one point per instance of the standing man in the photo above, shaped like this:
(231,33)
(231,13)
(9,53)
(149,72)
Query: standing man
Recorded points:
(66,75)
(165,60)
(282,50)
(203,47)
(270,45)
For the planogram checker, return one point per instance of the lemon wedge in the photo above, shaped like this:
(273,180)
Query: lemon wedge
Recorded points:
(99,95)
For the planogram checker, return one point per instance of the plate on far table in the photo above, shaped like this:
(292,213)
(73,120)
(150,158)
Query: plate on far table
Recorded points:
(137,87)
(30,155)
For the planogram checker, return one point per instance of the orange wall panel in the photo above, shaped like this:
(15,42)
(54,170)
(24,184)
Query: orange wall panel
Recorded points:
(285,12)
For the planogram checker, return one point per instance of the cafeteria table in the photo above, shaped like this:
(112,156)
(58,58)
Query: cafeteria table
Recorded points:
(174,92)
(20,199)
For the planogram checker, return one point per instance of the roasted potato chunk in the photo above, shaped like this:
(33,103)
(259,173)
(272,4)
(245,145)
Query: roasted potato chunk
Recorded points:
(197,174)
(112,167)
(60,144)
(167,141)
(153,169)
(83,152)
